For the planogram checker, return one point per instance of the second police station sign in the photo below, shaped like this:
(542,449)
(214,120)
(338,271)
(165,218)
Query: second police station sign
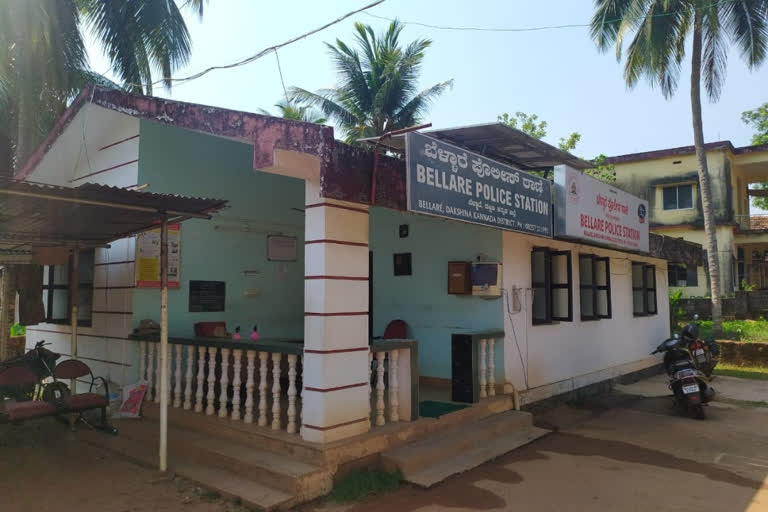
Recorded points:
(448,181)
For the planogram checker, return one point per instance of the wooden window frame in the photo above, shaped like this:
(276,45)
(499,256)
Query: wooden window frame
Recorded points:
(49,288)
(596,287)
(645,289)
(549,286)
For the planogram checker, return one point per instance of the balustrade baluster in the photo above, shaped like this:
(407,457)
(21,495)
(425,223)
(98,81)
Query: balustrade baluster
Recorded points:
(177,375)
(188,377)
(250,356)
(380,420)
(237,354)
(291,429)
(263,388)
(201,351)
(394,401)
(211,396)
(276,357)
(223,381)
(481,370)
(491,369)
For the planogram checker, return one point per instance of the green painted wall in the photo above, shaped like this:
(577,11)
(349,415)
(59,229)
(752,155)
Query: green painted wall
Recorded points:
(422,299)
(173,160)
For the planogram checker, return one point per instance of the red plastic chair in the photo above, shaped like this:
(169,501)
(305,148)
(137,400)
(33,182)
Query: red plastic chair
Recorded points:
(396,330)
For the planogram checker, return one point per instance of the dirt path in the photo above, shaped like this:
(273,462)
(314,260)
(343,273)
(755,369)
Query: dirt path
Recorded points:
(638,456)
(45,468)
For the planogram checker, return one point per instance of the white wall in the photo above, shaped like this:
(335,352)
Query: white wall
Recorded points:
(566,355)
(104,345)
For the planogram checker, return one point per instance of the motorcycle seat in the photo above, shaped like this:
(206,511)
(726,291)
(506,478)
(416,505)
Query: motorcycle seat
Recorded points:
(18,411)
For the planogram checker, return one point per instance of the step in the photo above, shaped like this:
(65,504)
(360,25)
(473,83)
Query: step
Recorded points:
(279,442)
(483,452)
(455,440)
(260,479)
(268,468)
(231,485)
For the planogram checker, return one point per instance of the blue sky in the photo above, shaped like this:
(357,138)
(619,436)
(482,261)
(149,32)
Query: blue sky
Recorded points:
(557,74)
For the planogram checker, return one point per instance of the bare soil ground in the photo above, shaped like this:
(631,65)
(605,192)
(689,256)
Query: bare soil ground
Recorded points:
(619,452)
(45,467)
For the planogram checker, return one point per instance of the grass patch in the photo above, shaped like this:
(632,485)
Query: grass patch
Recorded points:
(738,330)
(361,484)
(744,372)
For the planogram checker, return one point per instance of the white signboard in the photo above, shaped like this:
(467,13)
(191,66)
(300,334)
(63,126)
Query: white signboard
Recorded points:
(589,209)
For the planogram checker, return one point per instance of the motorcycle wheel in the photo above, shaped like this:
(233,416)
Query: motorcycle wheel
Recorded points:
(697,412)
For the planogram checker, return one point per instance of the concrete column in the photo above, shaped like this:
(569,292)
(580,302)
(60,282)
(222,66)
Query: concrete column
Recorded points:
(335,396)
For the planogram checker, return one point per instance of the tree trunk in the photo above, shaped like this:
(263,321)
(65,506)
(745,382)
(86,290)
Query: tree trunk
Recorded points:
(713,256)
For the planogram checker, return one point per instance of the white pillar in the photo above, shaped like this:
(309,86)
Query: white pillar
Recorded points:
(335,395)
(188,377)
(223,382)
(201,351)
(177,378)
(380,418)
(291,429)
(491,368)
(394,402)
(211,396)
(263,356)
(276,358)
(481,370)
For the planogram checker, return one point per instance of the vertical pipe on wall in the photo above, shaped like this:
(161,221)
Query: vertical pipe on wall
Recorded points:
(164,345)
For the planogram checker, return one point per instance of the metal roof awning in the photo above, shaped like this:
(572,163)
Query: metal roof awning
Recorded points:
(33,214)
(499,142)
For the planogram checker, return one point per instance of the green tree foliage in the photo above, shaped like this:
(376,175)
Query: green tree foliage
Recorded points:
(531,125)
(377,84)
(758,119)
(43,62)
(293,109)
(659,31)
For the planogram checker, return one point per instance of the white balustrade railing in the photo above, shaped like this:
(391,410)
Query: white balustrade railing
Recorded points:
(393,381)
(230,381)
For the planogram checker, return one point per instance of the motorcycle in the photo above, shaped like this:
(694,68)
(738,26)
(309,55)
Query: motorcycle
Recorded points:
(704,354)
(690,386)
(40,360)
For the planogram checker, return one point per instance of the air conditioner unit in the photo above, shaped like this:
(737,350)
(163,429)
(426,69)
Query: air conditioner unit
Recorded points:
(486,279)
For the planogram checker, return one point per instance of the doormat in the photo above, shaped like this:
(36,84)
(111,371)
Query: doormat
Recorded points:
(432,409)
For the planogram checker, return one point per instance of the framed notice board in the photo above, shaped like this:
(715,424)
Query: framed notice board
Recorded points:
(205,296)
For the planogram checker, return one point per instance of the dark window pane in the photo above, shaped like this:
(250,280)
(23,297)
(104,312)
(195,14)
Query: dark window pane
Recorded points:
(587,303)
(692,275)
(601,272)
(537,264)
(585,271)
(650,276)
(637,275)
(560,269)
(540,304)
(651,302)
(670,198)
(560,303)
(637,302)
(685,196)
(602,303)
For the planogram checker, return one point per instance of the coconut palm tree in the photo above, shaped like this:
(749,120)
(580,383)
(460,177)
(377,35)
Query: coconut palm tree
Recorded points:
(656,53)
(377,90)
(294,110)
(43,61)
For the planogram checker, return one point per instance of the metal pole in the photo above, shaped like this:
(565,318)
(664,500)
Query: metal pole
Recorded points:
(164,345)
(74,297)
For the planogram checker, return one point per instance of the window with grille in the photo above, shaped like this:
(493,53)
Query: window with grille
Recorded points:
(552,286)
(57,292)
(594,287)
(643,289)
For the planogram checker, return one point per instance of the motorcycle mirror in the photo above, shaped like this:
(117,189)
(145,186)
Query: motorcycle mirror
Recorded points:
(676,336)
(695,316)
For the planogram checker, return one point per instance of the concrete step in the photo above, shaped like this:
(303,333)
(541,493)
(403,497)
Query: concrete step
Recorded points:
(260,478)
(483,452)
(231,485)
(455,440)
(278,442)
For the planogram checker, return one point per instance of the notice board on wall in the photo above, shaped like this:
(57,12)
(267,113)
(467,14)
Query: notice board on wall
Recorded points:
(207,296)
(148,257)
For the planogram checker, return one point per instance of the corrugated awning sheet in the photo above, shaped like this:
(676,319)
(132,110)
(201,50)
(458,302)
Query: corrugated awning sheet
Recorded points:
(34,214)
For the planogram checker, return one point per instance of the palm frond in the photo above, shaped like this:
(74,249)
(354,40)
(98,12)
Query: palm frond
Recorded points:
(746,21)
(412,111)
(196,5)
(612,19)
(714,53)
(326,103)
